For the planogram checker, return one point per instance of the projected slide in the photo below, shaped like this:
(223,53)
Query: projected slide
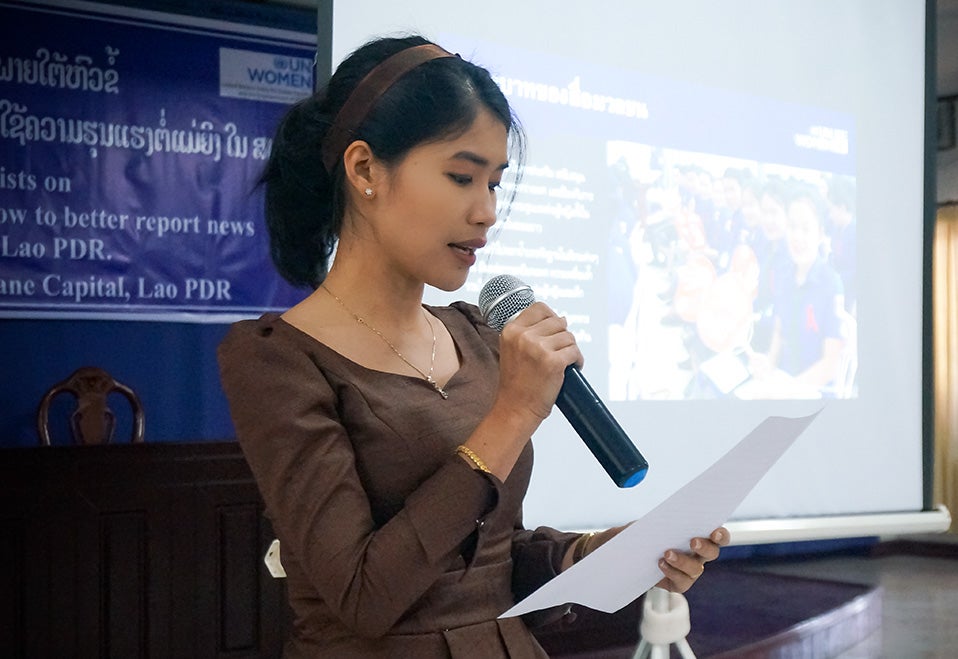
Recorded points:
(710,260)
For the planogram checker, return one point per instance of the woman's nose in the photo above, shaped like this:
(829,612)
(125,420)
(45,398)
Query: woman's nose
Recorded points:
(484,211)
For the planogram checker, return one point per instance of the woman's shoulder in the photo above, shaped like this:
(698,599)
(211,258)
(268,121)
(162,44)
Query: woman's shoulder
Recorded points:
(243,334)
(268,339)
(469,311)
(467,316)
(266,359)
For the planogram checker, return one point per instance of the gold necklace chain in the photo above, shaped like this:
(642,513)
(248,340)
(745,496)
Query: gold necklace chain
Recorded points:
(432,363)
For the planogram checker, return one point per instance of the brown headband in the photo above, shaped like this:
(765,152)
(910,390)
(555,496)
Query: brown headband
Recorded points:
(365,94)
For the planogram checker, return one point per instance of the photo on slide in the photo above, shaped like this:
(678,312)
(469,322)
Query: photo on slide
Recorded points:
(732,278)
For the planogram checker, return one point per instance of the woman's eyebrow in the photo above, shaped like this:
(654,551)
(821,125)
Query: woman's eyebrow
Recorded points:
(476,159)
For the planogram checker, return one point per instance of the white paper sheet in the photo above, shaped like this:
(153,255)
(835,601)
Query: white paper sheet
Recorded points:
(625,567)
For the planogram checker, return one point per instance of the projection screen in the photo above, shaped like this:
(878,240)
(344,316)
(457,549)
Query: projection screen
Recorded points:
(690,197)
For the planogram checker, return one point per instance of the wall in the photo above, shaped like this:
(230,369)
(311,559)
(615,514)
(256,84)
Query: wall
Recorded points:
(947,82)
(948,176)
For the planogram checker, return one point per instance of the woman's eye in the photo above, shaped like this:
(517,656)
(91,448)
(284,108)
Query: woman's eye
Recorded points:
(495,185)
(461,179)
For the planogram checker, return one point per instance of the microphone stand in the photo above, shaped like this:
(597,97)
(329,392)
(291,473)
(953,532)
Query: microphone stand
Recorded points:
(665,620)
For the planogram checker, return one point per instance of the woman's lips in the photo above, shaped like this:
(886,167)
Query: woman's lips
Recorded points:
(467,251)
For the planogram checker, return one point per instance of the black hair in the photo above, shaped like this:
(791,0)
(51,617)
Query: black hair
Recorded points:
(305,204)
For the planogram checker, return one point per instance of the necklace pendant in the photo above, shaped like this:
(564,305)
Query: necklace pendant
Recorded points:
(435,385)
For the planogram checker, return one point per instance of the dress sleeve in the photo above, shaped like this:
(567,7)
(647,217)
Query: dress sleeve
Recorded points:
(286,420)
(537,558)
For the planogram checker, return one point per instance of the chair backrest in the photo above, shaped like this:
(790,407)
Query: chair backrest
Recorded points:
(92,422)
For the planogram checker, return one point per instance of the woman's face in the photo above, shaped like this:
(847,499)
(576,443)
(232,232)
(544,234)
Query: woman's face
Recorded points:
(438,203)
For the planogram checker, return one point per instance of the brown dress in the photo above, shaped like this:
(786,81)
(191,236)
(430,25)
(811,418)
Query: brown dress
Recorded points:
(393,545)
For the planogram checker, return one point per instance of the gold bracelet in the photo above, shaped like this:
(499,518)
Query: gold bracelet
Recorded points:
(476,460)
(582,546)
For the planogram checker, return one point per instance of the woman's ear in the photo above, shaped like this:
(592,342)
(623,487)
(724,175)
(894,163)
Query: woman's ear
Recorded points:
(362,169)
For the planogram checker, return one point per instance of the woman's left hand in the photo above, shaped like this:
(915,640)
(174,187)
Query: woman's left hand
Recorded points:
(682,569)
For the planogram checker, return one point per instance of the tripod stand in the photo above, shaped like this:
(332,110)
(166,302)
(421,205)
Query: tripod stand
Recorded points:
(665,620)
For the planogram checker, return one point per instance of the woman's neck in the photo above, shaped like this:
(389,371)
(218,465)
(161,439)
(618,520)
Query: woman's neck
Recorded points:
(377,296)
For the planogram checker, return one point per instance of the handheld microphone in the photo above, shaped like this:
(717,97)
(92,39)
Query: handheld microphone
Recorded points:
(503,298)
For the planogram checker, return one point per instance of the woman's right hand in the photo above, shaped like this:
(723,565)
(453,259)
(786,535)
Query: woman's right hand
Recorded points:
(534,350)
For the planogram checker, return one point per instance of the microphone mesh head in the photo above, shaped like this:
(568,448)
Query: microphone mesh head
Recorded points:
(502,298)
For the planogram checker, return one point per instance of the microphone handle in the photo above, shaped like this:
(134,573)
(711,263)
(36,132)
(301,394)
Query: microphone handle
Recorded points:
(599,430)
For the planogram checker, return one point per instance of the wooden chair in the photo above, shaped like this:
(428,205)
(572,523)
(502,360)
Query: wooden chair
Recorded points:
(92,422)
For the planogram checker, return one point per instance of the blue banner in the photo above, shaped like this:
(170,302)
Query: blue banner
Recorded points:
(130,146)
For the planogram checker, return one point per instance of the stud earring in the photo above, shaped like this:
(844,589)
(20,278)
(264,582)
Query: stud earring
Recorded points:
(368,192)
